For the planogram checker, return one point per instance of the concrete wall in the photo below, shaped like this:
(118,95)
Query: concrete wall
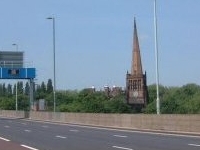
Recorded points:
(12,114)
(180,123)
(170,123)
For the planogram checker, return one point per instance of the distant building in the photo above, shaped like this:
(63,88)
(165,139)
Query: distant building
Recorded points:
(116,91)
(107,90)
(40,105)
(112,92)
(136,86)
(91,89)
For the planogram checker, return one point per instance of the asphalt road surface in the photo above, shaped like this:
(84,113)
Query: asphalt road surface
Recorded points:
(30,135)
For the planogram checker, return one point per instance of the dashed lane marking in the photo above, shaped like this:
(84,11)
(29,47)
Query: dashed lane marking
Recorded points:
(4,139)
(73,130)
(121,136)
(61,137)
(118,147)
(196,145)
(151,132)
(29,147)
(27,130)
(7,126)
(7,140)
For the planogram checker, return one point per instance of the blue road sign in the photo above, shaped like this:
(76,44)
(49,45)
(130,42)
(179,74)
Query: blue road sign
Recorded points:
(17,73)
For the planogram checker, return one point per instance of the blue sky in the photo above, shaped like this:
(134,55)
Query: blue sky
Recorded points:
(94,39)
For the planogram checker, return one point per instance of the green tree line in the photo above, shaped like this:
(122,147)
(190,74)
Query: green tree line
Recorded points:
(174,100)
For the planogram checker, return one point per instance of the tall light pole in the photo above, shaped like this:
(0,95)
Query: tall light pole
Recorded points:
(156,56)
(14,44)
(16,97)
(16,100)
(54,65)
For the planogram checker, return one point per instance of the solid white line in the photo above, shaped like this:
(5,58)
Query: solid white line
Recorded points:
(122,148)
(29,147)
(194,145)
(4,139)
(62,137)
(122,136)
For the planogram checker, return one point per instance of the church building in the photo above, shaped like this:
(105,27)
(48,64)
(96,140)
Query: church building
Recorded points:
(136,83)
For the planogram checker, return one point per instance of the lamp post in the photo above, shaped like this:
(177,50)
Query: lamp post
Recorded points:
(54,65)
(14,44)
(16,100)
(156,56)
(16,97)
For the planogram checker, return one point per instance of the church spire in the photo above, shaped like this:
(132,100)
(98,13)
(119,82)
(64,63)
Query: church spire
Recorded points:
(136,68)
(136,86)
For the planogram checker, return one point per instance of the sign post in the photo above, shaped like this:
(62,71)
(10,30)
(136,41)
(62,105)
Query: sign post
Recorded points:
(11,67)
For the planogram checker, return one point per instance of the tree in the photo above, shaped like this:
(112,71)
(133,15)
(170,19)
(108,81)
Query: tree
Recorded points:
(117,105)
(43,87)
(40,94)
(188,97)
(27,89)
(14,89)
(7,103)
(9,89)
(20,88)
(4,90)
(49,86)
(176,100)
(1,90)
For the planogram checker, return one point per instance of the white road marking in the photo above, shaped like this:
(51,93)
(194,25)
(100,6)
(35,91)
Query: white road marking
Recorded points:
(62,137)
(29,147)
(132,130)
(24,123)
(4,139)
(118,147)
(7,126)
(121,136)
(27,130)
(45,126)
(73,130)
(197,145)
(151,132)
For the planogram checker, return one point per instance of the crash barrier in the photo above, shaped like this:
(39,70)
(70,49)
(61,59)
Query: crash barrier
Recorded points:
(12,114)
(165,122)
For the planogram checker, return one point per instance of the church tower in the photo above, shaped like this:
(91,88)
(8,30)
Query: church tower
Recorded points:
(136,88)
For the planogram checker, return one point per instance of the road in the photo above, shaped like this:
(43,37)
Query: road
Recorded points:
(26,134)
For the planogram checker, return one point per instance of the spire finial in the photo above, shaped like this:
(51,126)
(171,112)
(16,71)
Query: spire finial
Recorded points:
(135,27)
(134,22)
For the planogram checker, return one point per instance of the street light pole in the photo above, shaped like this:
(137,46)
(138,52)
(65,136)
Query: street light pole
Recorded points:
(16,100)
(156,56)
(16,97)
(14,44)
(54,65)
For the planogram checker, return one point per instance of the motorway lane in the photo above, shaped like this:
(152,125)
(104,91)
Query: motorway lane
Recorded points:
(48,136)
(6,144)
